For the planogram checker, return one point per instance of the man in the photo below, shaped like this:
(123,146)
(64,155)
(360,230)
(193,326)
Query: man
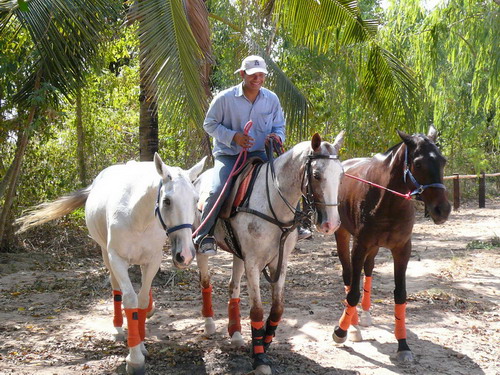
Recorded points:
(226,117)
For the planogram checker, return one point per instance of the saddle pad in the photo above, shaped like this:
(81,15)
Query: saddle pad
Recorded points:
(239,188)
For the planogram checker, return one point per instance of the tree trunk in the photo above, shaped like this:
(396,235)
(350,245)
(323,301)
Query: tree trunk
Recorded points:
(80,147)
(148,118)
(5,215)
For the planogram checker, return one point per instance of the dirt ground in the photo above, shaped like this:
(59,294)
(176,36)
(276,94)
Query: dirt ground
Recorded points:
(56,309)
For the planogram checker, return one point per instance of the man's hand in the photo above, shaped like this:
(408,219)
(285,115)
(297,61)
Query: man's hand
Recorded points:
(275,137)
(243,140)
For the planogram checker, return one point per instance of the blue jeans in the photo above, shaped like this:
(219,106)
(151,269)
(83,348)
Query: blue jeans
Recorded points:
(223,166)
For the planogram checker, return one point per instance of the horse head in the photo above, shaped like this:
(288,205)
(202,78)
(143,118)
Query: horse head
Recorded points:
(323,176)
(424,166)
(176,208)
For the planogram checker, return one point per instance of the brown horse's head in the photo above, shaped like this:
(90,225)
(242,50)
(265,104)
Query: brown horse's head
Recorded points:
(424,172)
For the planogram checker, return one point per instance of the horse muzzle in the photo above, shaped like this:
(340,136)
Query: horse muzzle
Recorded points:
(183,253)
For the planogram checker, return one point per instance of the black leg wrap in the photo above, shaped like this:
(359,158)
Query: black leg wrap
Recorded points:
(340,332)
(270,331)
(261,359)
(402,345)
(257,339)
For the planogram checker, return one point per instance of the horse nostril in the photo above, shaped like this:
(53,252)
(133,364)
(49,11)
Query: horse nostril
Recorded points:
(179,258)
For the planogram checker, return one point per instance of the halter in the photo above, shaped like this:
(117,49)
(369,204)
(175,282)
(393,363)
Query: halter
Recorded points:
(419,188)
(158,214)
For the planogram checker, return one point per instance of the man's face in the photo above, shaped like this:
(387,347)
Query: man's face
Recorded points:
(254,81)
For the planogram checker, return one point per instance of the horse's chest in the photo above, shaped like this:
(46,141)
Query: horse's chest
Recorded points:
(140,247)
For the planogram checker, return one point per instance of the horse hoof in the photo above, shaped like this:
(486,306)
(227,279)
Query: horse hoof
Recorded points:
(119,335)
(339,335)
(237,340)
(209,326)
(354,334)
(135,369)
(144,350)
(262,370)
(365,319)
(405,356)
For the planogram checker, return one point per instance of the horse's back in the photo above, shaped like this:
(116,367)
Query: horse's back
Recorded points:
(117,193)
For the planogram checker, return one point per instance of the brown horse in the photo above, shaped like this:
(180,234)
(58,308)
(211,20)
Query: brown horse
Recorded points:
(377,218)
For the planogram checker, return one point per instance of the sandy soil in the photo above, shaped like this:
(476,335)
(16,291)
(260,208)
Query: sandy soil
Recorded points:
(55,308)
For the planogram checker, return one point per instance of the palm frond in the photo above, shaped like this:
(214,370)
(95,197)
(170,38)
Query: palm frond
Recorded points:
(172,58)
(390,86)
(66,36)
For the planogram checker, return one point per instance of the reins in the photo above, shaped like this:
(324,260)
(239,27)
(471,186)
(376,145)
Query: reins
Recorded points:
(406,172)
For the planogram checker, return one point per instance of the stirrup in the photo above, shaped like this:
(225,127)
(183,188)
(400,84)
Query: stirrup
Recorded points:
(208,246)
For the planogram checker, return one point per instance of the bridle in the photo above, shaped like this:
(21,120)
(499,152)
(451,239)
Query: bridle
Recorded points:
(162,222)
(419,188)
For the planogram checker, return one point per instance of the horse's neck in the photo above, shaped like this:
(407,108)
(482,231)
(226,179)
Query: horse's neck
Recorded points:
(143,199)
(395,164)
(288,169)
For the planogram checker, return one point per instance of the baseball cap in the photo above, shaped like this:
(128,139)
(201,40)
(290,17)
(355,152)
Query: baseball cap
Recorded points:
(253,64)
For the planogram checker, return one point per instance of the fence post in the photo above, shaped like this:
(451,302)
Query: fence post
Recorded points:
(456,192)
(482,190)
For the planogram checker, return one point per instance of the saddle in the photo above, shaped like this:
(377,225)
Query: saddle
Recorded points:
(241,187)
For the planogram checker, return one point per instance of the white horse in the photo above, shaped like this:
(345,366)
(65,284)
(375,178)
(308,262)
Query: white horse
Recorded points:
(129,210)
(266,233)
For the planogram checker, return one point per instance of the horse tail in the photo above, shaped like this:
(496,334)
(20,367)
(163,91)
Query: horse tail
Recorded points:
(53,210)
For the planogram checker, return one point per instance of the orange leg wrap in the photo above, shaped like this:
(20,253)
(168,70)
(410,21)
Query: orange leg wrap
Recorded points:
(150,305)
(134,337)
(269,337)
(400,316)
(142,323)
(345,320)
(233,312)
(367,290)
(258,337)
(117,305)
(355,318)
(207,310)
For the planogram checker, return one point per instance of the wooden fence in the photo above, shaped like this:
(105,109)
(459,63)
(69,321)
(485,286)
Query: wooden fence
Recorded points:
(482,187)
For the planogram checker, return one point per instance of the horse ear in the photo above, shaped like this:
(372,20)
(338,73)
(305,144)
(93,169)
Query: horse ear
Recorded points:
(339,141)
(195,170)
(316,142)
(162,168)
(407,139)
(432,134)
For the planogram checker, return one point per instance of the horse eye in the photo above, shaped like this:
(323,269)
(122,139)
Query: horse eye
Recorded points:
(418,164)
(166,201)
(317,175)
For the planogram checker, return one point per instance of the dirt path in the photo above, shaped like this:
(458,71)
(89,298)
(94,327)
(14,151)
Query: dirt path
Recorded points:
(55,309)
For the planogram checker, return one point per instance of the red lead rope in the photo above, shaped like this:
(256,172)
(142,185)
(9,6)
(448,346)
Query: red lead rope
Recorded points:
(236,169)
(405,196)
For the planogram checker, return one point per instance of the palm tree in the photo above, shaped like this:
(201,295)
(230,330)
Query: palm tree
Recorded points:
(175,55)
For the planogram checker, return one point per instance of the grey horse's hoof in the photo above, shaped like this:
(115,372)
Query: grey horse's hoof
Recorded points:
(136,369)
(338,339)
(405,356)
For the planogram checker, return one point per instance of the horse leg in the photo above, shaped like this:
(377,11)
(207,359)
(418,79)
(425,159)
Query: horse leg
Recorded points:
(365,317)
(277,307)
(233,307)
(144,297)
(119,335)
(401,256)
(206,292)
(350,315)
(135,358)
(261,363)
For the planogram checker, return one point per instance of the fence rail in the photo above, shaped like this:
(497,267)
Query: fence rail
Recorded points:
(482,186)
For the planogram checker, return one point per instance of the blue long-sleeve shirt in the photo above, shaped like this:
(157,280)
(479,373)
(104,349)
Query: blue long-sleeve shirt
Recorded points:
(230,110)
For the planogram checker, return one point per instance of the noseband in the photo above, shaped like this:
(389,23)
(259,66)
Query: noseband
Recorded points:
(158,214)
(419,188)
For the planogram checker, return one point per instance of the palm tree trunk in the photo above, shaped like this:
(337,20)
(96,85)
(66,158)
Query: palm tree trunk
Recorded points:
(80,147)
